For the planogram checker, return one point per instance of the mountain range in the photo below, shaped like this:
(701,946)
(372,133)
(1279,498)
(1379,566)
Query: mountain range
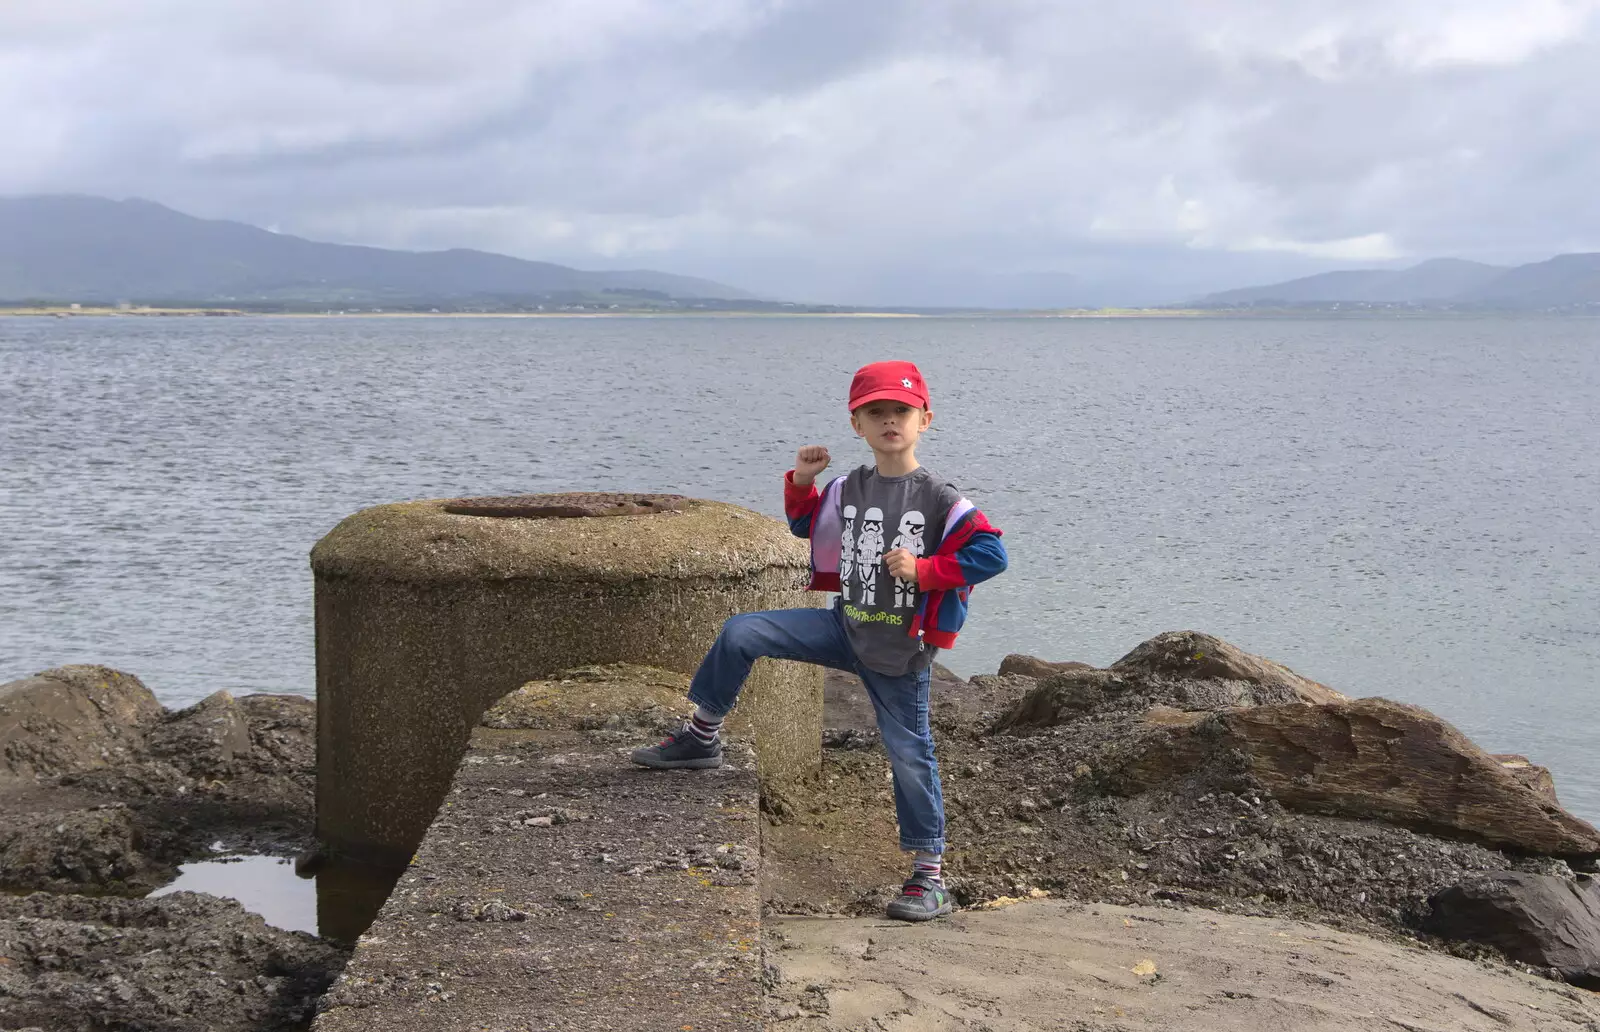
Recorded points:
(72,248)
(90,249)
(1568,282)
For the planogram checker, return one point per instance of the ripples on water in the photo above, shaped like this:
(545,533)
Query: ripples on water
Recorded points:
(1402,508)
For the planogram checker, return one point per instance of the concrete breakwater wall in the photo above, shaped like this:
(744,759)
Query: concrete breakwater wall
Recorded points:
(427,612)
(561,888)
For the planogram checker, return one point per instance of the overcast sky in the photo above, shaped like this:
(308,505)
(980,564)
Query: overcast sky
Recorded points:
(854,150)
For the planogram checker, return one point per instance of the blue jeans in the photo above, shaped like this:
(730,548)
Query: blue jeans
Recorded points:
(818,636)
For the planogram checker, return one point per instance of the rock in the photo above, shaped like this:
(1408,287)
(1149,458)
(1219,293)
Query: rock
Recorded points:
(1061,698)
(283,733)
(205,739)
(1192,656)
(91,850)
(103,791)
(849,738)
(1180,670)
(72,718)
(1033,666)
(946,675)
(1538,919)
(182,963)
(1369,759)
(1171,716)
(1529,773)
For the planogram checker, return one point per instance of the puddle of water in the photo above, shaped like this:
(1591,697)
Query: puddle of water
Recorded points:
(265,885)
(338,903)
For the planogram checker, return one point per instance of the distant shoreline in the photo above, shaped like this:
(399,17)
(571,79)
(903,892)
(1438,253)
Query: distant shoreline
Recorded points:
(103,311)
(69,312)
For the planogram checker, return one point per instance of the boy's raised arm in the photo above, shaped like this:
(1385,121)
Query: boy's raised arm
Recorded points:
(800,488)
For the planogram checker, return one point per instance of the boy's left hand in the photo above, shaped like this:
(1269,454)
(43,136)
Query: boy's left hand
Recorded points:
(902,564)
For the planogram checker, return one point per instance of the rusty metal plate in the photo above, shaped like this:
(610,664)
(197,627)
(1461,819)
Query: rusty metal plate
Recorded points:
(567,506)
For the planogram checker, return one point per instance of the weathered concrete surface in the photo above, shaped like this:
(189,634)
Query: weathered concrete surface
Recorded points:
(425,618)
(608,697)
(1050,965)
(563,888)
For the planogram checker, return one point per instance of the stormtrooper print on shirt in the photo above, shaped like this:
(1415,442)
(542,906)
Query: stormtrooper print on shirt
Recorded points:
(847,551)
(869,554)
(910,539)
(895,512)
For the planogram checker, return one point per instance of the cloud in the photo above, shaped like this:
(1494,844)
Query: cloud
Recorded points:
(1374,247)
(833,148)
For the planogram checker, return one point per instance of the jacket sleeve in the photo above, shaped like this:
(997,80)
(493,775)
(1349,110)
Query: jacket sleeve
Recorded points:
(799,505)
(972,556)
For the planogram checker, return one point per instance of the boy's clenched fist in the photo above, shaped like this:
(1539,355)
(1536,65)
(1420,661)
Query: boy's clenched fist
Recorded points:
(902,564)
(808,462)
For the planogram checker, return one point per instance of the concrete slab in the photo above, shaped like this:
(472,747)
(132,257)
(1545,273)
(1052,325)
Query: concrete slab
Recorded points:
(1049,965)
(562,888)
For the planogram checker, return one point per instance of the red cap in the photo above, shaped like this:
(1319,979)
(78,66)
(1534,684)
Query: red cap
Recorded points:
(896,381)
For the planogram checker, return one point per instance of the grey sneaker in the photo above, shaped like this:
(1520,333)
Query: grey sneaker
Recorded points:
(920,899)
(680,750)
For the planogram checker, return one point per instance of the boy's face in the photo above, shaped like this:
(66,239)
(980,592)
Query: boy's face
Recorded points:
(890,427)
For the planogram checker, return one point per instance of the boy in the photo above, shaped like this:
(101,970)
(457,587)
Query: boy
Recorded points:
(902,548)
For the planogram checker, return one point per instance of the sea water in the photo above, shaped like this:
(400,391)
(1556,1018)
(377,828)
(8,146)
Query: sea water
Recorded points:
(1392,507)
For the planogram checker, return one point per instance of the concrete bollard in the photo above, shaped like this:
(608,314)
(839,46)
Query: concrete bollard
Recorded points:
(427,612)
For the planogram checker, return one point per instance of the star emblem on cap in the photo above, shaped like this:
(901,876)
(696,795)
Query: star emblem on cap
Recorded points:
(905,381)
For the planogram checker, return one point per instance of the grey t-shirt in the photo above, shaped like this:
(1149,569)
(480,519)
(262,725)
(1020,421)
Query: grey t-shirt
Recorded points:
(881,514)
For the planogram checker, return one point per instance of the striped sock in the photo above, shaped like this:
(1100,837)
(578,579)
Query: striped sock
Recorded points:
(928,865)
(704,726)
